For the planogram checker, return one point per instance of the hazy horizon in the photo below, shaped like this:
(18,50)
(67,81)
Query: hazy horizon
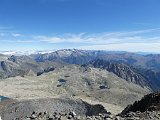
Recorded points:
(30,52)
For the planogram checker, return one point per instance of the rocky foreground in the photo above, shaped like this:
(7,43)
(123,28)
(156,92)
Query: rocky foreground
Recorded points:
(50,109)
(68,116)
(148,108)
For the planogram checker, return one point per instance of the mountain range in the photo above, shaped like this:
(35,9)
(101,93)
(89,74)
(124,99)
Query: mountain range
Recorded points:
(143,70)
(114,79)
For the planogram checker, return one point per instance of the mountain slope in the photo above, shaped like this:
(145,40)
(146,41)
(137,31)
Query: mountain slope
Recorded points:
(148,108)
(150,102)
(23,65)
(140,76)
(72,56)
(121,70)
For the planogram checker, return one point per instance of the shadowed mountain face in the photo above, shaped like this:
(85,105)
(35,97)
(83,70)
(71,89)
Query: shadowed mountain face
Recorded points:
(24,65)
(153,77)
(151,61)
(148,108)
(121,70)
(140,76)
(150,102)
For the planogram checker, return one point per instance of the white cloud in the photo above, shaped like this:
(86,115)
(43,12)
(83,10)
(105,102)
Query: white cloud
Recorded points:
(139,40)
(131,47)
(67,38)
(49,39)
(9,32)
(16,34)
(104,38)
(133,41)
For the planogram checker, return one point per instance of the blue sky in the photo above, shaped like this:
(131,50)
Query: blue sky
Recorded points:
(128,25)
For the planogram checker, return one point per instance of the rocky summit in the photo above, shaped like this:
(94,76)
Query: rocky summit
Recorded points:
(150,102)
(148,108)
(48,109)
